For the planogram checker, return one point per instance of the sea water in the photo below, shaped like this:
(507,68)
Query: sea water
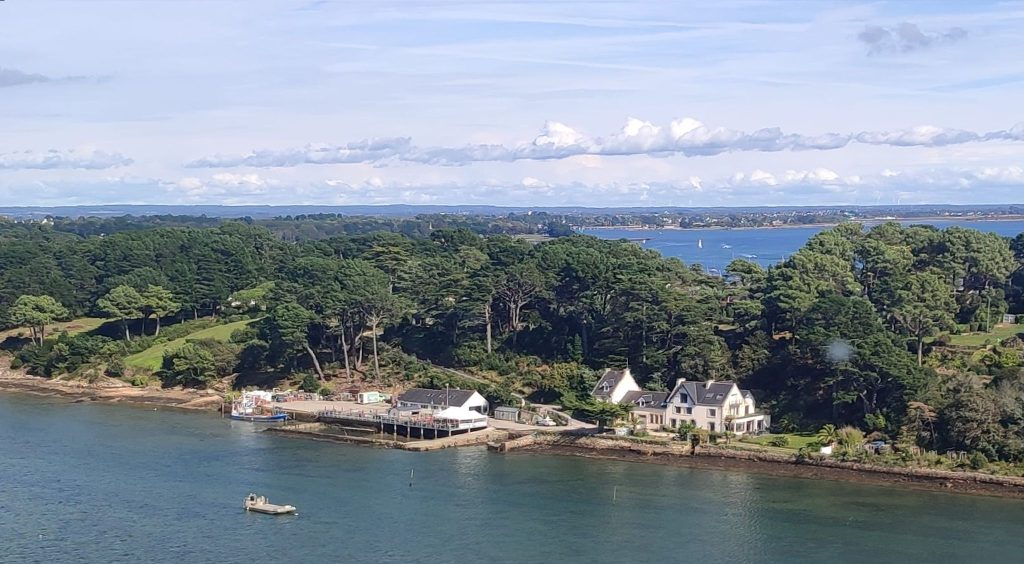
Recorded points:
(89,482)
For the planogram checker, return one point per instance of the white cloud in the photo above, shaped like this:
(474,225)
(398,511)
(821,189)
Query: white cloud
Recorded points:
(922,136)
(369,150)
(83,158)
(230,188)
(556,141)
(815,186)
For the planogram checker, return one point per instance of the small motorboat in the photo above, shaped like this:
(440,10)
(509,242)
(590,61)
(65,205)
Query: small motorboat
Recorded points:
(259,504)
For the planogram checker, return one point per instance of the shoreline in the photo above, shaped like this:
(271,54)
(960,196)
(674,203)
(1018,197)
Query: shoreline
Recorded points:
(584,446)
(108,391)
(803,226)
(769,464)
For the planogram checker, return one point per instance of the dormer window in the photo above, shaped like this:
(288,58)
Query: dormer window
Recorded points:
(605,387)
(683,397)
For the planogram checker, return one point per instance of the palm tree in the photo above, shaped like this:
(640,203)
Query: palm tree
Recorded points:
(828,435)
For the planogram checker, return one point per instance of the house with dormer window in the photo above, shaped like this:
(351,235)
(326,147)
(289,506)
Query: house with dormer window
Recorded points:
(648,408)
(614,385)
(714,406)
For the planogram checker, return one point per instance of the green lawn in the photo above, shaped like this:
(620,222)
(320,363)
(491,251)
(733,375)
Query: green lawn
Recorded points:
(153,357)
(75,326)
(998,333)
(796,440)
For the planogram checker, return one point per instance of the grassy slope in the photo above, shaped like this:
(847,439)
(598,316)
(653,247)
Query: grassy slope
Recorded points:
(999,332)
(80,325)
(153,357)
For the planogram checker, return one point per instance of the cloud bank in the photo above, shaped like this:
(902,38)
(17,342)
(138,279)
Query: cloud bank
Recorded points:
(906,37)
(88,159)
(817,186)
(556,140)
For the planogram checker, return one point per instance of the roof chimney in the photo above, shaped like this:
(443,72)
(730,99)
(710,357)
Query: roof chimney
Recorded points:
(707,384)
(679,381)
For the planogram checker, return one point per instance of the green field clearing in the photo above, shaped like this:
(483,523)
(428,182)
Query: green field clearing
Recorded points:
(796,440)
(998,333)
(73,327)
(153,357)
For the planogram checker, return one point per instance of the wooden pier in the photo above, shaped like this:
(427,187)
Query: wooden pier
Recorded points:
(410,427)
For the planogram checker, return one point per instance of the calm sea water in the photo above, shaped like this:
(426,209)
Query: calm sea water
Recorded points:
(716,248)
(103,483)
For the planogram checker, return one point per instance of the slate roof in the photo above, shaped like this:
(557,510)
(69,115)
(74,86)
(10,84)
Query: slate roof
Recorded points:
(436,397)
(702,394)
(610,377)
(650,400)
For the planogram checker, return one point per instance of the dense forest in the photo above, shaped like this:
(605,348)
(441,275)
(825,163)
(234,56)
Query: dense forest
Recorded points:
(858,328)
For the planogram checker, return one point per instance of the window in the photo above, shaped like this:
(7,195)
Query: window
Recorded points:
(689,410)
(711,427)
(748,411)
(679,409)
(712,412)
(683,397)
(674,422)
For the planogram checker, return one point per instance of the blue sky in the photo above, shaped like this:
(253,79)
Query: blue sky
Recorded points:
(526,103)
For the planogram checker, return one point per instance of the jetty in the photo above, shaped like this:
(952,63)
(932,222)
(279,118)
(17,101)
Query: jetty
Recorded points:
(446,423)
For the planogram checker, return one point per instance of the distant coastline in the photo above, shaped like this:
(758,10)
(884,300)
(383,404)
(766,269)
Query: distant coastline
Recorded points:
(923,219)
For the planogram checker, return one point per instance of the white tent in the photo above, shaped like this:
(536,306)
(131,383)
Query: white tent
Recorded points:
(459,414)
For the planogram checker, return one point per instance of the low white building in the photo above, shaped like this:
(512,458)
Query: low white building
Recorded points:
(715,406)
(438,400)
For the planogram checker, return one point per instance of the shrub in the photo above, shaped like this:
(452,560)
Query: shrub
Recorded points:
(850,438)
(978,461)
(64,355)
(310,383)
(140,381)
(190,366)
(115,368)
(684,430)
(779,441)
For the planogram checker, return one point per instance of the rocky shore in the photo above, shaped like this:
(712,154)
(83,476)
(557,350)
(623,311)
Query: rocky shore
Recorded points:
(106,390)
(716,458)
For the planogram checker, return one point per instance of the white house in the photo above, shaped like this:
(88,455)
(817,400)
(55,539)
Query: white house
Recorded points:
(715,406)
(614,385)
(438,400)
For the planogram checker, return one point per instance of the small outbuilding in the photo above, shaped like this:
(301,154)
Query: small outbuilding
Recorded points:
(504,413)
(370,397)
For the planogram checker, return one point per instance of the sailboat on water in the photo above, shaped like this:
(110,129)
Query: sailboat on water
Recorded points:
(700,243)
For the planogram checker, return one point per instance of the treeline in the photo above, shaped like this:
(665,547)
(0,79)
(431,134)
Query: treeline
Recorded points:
(309,227)
(847,330)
